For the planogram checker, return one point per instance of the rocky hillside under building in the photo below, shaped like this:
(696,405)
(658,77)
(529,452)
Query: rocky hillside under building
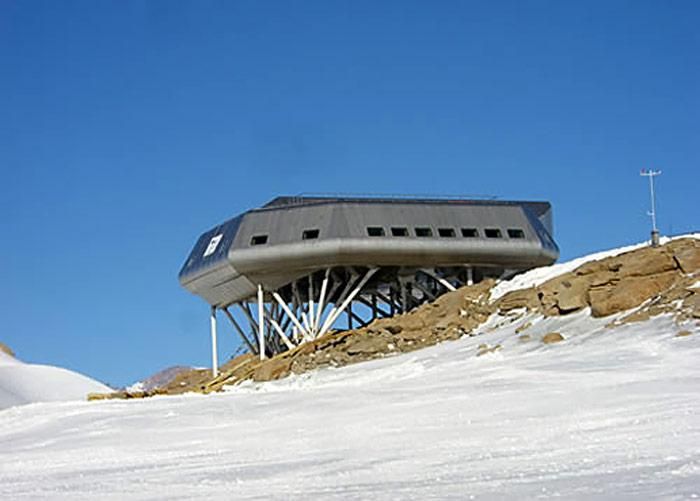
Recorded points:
(620,286)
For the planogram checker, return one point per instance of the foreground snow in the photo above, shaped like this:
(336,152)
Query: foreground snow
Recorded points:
(22,383)
(604,414)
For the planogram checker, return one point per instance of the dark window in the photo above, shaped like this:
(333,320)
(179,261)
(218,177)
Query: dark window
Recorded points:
(309,234)
(470,232)
(424,232)
(446,232)
(492,233)
(516,233)
(258,240)
(375,231)
(399,232)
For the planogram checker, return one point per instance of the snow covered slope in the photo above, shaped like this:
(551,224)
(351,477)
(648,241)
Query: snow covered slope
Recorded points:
(607,413)
(22,383)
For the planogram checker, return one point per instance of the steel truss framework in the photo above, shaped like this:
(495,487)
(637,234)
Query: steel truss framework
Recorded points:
(312,306)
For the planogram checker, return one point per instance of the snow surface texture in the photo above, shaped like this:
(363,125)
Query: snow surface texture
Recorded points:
(22,383)
(608,414)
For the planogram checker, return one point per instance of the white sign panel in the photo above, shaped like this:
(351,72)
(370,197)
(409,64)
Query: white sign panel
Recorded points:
(213,244)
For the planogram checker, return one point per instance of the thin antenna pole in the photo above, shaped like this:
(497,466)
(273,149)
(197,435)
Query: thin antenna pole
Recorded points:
(654,230)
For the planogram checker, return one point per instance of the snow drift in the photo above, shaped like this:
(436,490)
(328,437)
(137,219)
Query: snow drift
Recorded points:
(22,383)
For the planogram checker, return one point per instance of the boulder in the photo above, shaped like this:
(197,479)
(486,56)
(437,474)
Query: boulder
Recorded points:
(552,337)
(688,258)
(483,349)
(572,295)
(523,298)
(645,262)
(629,293)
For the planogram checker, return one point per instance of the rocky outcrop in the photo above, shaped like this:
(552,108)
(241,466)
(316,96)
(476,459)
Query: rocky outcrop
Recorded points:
(619,283)
(660,276)
(643,283)
(6,349)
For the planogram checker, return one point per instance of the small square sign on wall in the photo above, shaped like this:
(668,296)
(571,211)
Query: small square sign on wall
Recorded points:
(213,244)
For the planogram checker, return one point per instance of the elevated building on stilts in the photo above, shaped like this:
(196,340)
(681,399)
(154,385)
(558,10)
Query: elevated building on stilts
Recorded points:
(299,267)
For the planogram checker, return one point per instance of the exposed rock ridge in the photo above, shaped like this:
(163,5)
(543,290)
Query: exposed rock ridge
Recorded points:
(6,349)
(642,282)
(656,279)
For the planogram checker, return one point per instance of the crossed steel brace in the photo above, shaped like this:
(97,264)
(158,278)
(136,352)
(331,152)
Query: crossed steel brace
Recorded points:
(290,316)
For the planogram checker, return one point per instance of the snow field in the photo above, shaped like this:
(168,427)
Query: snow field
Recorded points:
(606,414)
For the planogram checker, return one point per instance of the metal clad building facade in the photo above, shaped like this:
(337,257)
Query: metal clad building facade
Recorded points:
(291,237)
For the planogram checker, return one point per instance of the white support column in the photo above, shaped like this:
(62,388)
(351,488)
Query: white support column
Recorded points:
(321,301)
(291,315)
(261,322)
(333,317)
(437,277)
(311,316)
(307,323)
(282,335)
(470,276)
(214,351)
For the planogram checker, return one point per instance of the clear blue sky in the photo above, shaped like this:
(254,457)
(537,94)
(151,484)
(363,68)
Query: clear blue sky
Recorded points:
(128,128)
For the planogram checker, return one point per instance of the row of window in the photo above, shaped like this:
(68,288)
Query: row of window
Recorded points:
(402,231)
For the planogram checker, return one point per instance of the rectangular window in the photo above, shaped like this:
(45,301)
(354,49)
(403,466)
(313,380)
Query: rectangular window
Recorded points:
(309,234)
(516,233)
(446,232)
(258,240)
(375,231)
(470,232)
(493,233)
(424,232)
(399,231)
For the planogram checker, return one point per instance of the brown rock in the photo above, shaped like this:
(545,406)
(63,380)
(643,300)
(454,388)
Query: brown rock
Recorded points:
(394,329)
(646,261)
(629,293)
(275,368)
(524,338)
(683,334)
(552,337)
(366,345)
(524,298)
(99,396)
(6,349)
(523,327)
(414,335)
(591,267)
(412,321)
(688,258)
(572,295)
(483,349)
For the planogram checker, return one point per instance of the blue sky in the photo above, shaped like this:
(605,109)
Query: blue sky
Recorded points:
(129,128)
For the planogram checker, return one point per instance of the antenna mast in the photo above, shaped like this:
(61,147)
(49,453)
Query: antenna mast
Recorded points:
(654,230)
